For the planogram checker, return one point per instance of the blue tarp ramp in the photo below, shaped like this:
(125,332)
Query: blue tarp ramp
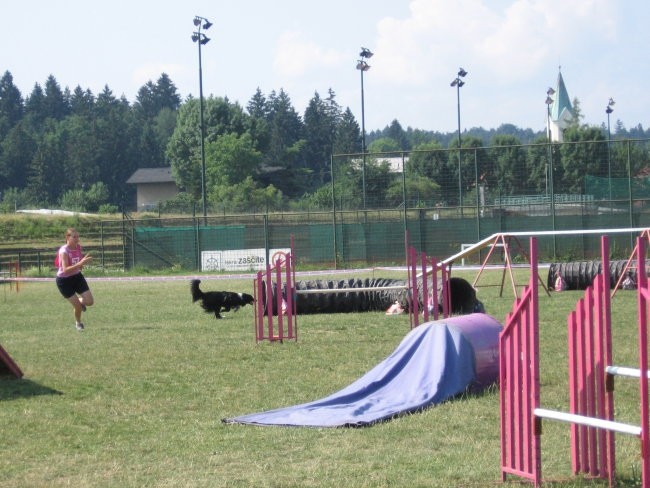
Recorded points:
(434,362)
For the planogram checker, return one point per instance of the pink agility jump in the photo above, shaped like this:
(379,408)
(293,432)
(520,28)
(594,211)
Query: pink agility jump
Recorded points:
(590,381)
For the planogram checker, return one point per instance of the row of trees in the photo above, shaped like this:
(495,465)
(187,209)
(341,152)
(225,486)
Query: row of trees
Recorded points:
(76,150)
(72,147)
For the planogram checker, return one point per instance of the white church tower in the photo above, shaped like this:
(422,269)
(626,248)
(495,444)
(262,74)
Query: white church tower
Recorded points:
(560,111)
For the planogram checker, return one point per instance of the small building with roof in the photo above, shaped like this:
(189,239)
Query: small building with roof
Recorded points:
(153,185)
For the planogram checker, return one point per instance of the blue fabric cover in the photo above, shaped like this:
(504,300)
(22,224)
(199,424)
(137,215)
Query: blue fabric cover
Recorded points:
(433,363)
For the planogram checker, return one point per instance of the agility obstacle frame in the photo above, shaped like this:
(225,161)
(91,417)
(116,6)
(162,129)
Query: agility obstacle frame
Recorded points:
(8,365)
(285,293)
(645,234)
(12,275)
(279,281)
(509,242)
(425,284)
(591,378)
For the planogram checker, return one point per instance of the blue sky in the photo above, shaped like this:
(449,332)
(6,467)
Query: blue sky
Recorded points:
(511,49)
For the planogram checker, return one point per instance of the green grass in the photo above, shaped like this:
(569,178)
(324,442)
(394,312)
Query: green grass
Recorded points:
(137,399)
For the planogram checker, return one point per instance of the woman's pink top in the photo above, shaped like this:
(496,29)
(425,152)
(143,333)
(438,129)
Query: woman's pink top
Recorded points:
(74,256)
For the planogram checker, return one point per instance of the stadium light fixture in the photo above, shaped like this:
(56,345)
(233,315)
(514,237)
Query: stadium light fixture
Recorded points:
(200,39)
(458,83)
(549,101)
(363,66)
(608,111)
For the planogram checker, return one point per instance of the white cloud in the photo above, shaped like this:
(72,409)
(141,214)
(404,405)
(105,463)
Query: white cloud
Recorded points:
(531,33)
(410,48)
(506,41)
(295,56)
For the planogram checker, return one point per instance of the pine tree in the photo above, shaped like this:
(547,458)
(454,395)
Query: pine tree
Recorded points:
(320,129)
(55,104)
(11,104)
(82,102)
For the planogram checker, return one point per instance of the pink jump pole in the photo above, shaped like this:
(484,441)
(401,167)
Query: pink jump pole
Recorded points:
(643,299)
(519,382)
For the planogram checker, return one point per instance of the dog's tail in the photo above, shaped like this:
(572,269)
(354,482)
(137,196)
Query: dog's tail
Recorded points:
(197,294)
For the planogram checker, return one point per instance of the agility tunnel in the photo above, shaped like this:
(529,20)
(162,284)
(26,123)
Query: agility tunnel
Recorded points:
(435,362)
(580,275)
(369,294)
(344,296)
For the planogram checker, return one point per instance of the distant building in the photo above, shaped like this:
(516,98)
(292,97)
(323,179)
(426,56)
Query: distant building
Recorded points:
(560,111)
(395,164)
(153,185)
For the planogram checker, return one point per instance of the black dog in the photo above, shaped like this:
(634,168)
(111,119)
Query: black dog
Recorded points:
(463,298)
(219,301)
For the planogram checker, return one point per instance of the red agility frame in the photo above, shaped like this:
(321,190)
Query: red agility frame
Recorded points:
(8,365)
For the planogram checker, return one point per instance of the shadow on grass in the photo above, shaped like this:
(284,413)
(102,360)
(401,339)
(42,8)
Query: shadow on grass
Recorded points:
(13,388)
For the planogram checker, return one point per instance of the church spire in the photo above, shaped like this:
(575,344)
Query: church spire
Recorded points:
(561,109)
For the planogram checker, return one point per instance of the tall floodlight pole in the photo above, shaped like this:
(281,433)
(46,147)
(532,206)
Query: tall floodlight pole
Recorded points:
(549,101)
(608,111)
(363,66)
(200,38)
(458,82)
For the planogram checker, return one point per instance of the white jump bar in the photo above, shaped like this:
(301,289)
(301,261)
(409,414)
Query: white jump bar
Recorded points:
(590,421)
(622,371)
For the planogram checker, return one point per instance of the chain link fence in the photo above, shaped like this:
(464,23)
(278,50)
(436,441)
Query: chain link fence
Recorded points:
(441,198)
(491,179)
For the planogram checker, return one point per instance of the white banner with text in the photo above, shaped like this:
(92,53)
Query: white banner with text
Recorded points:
(240,259)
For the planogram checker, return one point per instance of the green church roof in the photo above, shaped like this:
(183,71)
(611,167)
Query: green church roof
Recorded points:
(561,101)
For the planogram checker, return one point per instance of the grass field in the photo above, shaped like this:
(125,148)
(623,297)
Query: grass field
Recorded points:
(137,399)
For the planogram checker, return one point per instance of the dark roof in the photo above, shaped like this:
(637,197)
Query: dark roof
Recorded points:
(151,175)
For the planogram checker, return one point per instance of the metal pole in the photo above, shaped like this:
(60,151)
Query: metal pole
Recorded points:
(333,213)
(460,183)
(205,212)
(404,191)
(608,111)
(629,190)
(549,100)
(363,66)
(478,197)
(197,242)
(553,204)
(200,38)
(548,151)
(609,159)
(363,144)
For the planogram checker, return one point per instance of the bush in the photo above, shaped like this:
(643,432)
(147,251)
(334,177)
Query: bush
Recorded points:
(86,201)
(108,208)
